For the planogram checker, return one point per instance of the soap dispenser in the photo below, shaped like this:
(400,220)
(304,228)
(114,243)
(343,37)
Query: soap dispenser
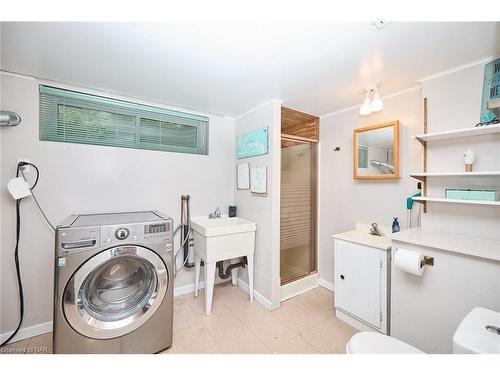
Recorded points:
(395,225)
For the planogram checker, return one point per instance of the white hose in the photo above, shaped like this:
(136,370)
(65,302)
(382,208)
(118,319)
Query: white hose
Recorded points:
(181,247)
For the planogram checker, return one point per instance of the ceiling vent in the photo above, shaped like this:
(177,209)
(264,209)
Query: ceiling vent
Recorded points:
(380,24)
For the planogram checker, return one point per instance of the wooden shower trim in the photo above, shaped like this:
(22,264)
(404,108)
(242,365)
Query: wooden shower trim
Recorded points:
(299,124)
(296,138)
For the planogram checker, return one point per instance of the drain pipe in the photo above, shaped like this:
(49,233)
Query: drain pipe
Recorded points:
(227,273)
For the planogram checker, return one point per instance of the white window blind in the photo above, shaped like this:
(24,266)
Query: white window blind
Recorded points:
(75,117)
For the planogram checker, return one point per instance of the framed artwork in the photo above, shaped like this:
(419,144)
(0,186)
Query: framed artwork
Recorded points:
(258,181)
(490,104)
(243,176)
(252,144)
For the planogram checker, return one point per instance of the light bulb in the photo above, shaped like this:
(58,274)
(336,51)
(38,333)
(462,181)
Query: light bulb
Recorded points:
(377,105)
(366,108)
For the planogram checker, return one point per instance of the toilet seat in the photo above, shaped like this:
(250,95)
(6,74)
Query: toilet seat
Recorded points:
(377,343)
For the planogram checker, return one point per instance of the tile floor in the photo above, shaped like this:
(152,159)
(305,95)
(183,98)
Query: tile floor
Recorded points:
(304,324)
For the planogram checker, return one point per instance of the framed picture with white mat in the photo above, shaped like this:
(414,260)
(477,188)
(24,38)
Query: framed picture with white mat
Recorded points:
(258,181)
(243,176)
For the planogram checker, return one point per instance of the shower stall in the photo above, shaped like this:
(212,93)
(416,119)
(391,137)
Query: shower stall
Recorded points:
(298,234)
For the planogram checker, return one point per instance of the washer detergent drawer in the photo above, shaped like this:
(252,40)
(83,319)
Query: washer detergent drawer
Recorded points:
(358,281)
(76,240)
(115,292)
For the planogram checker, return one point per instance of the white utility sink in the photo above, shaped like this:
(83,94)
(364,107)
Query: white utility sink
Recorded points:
(223,238)
(220,226)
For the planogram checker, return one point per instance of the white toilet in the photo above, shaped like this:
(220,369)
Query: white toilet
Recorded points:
(479,332)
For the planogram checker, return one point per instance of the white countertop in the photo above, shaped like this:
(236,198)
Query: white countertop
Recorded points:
(364,238)
(467,245)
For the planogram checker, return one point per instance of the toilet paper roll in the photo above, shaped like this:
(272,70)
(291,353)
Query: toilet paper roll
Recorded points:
(409,261)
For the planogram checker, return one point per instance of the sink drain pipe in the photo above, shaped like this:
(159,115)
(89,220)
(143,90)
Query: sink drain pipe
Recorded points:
(224,275)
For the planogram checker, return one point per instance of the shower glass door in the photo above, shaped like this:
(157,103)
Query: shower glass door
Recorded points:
(298,210)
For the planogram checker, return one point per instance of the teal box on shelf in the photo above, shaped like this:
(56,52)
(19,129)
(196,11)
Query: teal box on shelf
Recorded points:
(471,194)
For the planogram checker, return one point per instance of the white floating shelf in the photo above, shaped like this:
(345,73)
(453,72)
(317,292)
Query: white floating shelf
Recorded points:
(423,175)
(460,201)
(467,132)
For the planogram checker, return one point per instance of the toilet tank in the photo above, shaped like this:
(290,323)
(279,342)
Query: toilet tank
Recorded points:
(479,332)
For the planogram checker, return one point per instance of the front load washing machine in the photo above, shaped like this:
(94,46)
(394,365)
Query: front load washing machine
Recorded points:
(114,283)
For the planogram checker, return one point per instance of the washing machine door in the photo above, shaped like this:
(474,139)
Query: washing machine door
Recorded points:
(115,292)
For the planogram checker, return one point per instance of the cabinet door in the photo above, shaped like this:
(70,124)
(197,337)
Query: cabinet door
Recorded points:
(357,281)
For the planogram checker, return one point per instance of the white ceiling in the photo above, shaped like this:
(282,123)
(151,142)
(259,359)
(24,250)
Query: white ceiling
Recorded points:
(231,68)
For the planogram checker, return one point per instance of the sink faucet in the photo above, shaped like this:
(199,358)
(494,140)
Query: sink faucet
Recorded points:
(215,214)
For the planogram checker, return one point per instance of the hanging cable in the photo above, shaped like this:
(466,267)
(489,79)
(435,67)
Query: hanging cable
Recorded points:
(16,260)
(36,200)
(20,170)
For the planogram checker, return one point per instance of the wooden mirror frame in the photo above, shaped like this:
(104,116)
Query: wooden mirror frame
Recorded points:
(395,175)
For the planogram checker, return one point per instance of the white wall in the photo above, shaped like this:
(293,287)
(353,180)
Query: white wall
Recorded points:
(454,102)
(264,210)
(83,178)
(457,283)
(345,201)
(426,310)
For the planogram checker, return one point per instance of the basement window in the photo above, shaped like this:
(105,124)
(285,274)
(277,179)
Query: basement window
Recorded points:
(75,117)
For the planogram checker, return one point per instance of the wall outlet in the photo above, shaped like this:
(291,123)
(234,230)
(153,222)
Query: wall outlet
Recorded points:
(26,168)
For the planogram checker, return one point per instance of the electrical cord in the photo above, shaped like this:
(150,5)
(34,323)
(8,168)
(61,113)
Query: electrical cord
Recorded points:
(18,274)
(38,204)
(16,260)
(19,170)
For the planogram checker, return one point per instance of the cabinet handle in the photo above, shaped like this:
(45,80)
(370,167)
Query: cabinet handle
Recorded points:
(342,277)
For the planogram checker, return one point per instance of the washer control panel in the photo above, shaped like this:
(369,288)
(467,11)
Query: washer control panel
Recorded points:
(122,233)
(153,232)
(156,231)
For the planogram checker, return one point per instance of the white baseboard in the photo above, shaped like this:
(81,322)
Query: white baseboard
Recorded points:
(326,284)
(28,332)
(299,286)
(258,297)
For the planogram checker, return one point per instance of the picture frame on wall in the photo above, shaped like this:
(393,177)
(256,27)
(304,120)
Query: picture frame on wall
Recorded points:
(490,103)
(258,181)
(254,143)
(243,176)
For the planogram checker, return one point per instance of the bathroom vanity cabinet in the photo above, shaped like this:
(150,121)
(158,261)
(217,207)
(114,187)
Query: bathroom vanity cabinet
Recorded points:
(361,283)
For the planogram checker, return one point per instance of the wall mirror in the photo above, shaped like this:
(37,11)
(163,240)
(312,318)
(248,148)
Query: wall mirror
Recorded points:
(376,151)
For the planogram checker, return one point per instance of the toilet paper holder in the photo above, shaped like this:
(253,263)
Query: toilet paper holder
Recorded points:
(427,261)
